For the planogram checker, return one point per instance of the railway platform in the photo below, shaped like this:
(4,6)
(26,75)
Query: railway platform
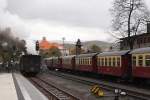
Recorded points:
(7,88)
(16,87)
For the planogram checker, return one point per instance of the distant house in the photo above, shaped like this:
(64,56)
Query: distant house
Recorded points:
(139,41)
(46,45)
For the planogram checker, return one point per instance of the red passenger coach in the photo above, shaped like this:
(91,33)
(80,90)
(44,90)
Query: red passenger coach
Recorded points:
(141,63)
(57,62)
(114,63)
(86,62)
(68,62)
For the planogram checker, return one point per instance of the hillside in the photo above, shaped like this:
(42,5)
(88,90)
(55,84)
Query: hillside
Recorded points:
(87,44)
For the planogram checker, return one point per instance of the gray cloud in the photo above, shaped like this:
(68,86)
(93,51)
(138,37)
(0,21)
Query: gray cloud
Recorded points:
(85,13)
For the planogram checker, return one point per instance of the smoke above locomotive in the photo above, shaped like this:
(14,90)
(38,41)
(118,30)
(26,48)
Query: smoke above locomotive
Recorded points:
(13,43)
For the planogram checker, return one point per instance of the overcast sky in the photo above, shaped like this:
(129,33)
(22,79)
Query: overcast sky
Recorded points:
(54,19)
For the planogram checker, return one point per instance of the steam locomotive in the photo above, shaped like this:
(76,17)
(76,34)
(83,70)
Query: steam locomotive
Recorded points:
(30,64)
(124,64)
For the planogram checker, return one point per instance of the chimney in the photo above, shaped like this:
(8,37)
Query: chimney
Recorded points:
(148,26)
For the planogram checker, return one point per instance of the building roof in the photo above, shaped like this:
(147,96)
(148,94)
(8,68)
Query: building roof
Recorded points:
(140,50)
(138,35)
(114,53)
(44,44)
(70,56)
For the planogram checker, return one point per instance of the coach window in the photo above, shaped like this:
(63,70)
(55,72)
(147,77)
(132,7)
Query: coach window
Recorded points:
(105,61)
(99,61)
(82,61)
(140,60)
(102,62)
(148,39)
(109,61)
(134,60)
(118,61)
(76,61)
(147,60)
(114,61)
(89,61)
(79,61)
(86,61)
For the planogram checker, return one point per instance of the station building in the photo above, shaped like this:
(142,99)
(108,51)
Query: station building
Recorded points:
(139,40)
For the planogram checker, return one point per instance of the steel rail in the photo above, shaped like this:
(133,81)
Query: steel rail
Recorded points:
(54,92)
(130,92)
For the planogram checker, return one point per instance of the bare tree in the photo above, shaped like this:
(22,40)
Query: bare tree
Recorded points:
(129,18)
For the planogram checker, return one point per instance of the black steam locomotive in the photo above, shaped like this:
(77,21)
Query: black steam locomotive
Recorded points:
(30,64)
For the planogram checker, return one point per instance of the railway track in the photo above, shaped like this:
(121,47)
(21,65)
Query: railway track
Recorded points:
(140,94)
(51,91)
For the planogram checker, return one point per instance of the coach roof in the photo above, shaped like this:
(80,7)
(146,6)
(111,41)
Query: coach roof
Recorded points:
(86,55)
(70,56)
(140,50)
(114,53)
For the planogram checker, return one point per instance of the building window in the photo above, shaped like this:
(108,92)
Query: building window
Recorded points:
(134,60)
(140,60)
(147,60)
